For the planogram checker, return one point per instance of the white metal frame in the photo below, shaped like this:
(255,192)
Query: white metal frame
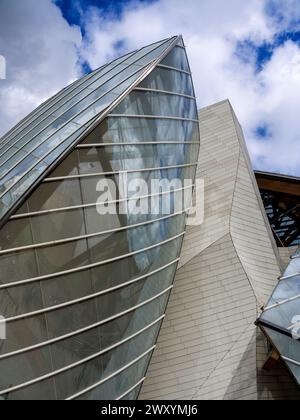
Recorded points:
(82,299)
(86,267)
(276,305)
(128,171)
(89,327)
(294,362)
(90,205)
(85,391)
(165,92)
(75,85)
(90,235)
(131,389)
(163,66)
(83,361)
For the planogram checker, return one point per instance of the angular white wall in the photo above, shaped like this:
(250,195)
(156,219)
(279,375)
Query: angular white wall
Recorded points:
(209,347)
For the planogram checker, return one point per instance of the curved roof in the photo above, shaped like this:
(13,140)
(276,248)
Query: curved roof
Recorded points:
(30,150)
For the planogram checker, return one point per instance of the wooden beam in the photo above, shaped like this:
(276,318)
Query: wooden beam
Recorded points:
(266,182)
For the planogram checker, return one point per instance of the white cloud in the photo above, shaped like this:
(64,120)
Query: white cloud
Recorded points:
(286,14)
(279,106)
(199,20)
(211,29)
(40,48)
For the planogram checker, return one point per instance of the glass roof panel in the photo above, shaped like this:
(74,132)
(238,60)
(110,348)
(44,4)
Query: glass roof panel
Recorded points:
(29,149)
(280,319)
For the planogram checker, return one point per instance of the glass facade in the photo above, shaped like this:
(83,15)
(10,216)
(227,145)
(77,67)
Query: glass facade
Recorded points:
(27,152)
(84,292)
(280,319)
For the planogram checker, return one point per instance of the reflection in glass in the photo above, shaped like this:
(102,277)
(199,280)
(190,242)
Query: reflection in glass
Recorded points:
(177,58)
(281,318)
(155,103)
(101,286)
(131,130)
(169,81)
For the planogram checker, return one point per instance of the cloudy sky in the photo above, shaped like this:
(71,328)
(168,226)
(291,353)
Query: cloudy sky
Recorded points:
(247,51)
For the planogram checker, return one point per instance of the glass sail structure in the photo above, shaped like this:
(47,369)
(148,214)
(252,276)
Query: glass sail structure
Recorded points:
(280,320)
(84,291)
(29,150)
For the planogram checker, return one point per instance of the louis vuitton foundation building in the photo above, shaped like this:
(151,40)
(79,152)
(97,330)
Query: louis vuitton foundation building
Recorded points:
(116,305)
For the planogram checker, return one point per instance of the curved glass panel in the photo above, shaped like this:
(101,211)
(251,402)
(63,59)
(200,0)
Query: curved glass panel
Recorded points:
(83,376)
(82,345)
(131,130)
(56,102)
(80,253)
(169,80)
(177,59)
(73,192)
(93,285)
(127,158)
(18,171)
(72,224)
(155,103)
(29,298)
(117,385)
(287,347)
(281,318)
(133,395)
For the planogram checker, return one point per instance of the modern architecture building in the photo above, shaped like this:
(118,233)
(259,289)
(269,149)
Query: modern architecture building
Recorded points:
(102,302)
(209,346)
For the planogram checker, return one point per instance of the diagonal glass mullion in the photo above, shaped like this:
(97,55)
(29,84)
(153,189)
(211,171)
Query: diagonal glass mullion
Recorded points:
(51,151)
(66,91)
(30,140)
(41,110)
(57,141)
(30,176)
(6,176)
(57,104)
(62,94)
(177,58)
(95,73)
(287,347)
(288,286)
(14,194)
(282,316)
(89,80)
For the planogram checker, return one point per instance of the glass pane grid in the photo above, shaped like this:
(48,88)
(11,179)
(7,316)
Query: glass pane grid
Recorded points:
(141,57)
(280,319)
(89,281)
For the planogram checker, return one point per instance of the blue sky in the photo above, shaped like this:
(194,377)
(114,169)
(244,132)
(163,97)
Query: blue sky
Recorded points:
(72,9)
(248,52)
(264,51)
